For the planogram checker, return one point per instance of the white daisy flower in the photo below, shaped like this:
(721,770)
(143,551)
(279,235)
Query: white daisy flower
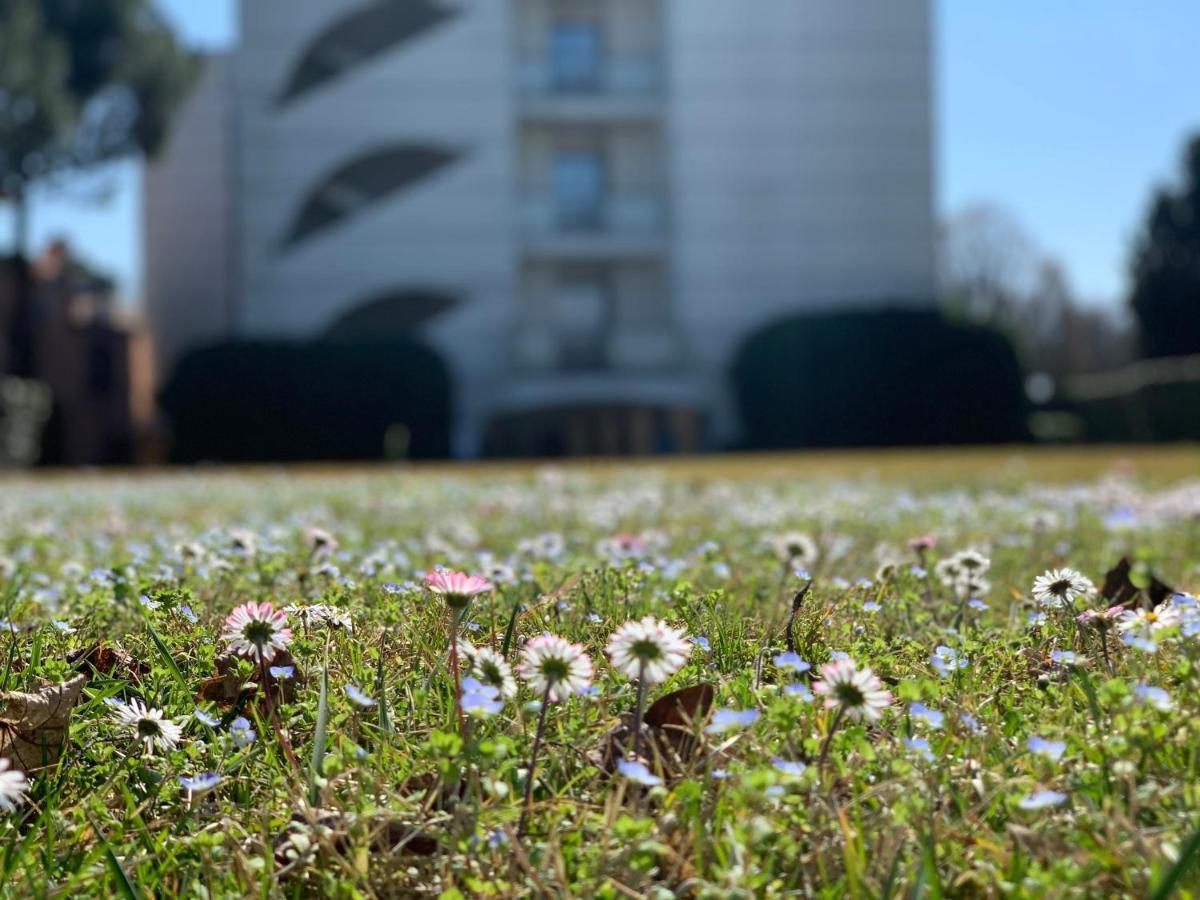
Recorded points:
(857,691)
(795,548)
(491,669)
(257,631)
(148,725)
(1059,586)
(555,667)
(13,785)
(648,649)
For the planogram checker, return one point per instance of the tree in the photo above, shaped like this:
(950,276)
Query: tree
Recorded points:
(82,82)
(1166,267)
(988,264)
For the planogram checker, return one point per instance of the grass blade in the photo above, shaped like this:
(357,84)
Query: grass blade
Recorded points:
(167,658)
(125,887)
(1187,855)
(319,739)
(385,723)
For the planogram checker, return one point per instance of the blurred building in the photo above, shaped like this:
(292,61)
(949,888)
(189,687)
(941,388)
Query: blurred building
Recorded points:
(67,333)
(586,206)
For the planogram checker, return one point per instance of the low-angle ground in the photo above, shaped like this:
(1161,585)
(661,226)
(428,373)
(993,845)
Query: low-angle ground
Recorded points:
(858,675)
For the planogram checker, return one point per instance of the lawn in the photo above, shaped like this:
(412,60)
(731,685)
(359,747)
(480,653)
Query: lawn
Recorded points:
(856,681)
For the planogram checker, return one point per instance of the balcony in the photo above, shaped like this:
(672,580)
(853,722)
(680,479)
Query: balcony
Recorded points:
(613,225)
(540,347)
(623,89)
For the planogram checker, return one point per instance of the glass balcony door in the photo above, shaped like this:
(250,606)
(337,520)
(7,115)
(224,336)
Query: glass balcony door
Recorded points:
(577,55)
(578,184)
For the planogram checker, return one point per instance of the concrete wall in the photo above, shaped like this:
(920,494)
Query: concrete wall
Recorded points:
(800,158)
(188,214)
(449,87)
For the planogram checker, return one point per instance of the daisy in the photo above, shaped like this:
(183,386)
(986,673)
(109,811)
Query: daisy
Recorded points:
(456,588)
(148,726)
(554,667)
(857,692)
(648,650)
(257,631)
(1148,621)
(795,548)
(13,785)
(490,668)
(1061,586)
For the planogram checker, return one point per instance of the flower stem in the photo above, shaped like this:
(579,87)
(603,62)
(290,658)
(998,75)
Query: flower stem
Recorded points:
(537,743)
(462,719)
(637,715)
(837,720)
(284,743)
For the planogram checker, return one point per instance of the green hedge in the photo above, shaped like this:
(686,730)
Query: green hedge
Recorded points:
(878,378)
(1154,412)
(266,401)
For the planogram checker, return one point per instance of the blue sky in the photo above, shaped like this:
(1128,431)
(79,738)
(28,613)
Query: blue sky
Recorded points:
(1066,113)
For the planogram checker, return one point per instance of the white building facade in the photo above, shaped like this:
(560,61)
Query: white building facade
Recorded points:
(586,206)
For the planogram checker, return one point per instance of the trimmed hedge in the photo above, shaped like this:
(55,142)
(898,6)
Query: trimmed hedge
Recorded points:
(1168,411)
(257,401)
(878,378)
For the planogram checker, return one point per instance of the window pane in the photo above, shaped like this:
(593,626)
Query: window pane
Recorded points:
(579,189)
(576,55)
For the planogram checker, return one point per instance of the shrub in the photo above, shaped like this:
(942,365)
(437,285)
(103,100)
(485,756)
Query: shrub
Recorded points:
(874,378)
(251,401)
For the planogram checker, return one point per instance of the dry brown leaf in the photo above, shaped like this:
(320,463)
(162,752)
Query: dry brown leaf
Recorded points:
(33,727)
(226,687)
(1119,589)
(668,731)
(111,661)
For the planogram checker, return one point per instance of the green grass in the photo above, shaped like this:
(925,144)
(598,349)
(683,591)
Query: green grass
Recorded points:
(396,800)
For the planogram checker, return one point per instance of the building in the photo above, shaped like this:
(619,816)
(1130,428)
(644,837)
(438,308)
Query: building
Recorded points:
(76,368)
(585,205)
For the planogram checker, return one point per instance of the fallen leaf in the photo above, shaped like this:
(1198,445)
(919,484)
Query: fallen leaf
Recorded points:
(33,727)
(111,661)
(671,735)
(227,687)
(1119,589)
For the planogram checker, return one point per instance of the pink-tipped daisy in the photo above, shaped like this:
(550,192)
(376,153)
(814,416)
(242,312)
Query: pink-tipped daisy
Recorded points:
(648,649)
(257,630)
(859,692)
(456,588)
(555,667)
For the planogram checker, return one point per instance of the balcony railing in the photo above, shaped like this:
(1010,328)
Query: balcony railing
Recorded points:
(624,213)
(622,77)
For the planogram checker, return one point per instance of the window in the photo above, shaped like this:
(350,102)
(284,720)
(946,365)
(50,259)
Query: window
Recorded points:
(579,189)
(576,56)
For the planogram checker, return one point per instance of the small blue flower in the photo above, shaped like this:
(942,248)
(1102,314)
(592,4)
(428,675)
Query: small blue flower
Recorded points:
(1052,749)
(919,747)
(791,661)
(358,697)
(732,719)
(1064,657)
(702,642)
(200,784)
(720,774)
(636,771)
(1042,800)
(282,673)
(971,722)
(1154,696)
(480,700)
(871,606)
(210,721)
(242,732)
(945,660)
(800,691)
(976,603)
(789,767)
(930,717)
(186,612)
